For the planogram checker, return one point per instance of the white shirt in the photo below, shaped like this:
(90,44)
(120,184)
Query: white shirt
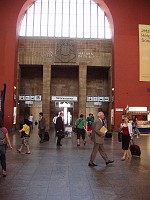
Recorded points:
(54,119)
(30,118)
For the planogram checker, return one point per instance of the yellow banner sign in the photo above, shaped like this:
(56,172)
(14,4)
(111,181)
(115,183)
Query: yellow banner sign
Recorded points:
(144,52)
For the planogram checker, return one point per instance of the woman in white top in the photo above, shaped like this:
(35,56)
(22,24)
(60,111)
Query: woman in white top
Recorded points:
(126,137)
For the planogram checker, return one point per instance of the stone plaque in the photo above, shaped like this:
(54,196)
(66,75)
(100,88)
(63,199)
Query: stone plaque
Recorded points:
(65,52)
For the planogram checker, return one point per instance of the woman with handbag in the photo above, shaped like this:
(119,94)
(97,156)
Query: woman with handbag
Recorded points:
(126,128)
(80,124)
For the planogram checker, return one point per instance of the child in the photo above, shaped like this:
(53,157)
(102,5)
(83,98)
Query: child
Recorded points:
(25,134)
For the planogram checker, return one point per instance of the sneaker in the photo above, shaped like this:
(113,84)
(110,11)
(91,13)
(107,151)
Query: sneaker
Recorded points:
(84,143)
(78,145)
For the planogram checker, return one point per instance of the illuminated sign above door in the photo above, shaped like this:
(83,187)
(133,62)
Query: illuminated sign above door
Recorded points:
(64,98)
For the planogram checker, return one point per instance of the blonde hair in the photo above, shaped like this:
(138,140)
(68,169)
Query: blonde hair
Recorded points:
(126,117)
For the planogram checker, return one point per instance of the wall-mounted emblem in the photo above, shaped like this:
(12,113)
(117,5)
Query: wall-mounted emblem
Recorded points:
(65,52)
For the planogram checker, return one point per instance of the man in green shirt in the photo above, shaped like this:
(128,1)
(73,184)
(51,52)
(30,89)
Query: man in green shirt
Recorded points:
(80,124)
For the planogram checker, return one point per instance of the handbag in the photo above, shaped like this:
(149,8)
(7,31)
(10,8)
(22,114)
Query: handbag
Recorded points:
(119,135)
(75,129)
(61,134)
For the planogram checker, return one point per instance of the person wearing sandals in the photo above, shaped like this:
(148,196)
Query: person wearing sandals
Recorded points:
(25,135)
(80,124)
(4,139)
(126,128)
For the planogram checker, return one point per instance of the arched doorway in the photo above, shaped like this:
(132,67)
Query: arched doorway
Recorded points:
(83,57)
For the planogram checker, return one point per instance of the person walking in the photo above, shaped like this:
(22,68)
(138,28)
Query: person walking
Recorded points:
(80,125)
(31,121)
(41,126)
(25,135)
(59,128)
(54,121)
(90,121)
(97,137)
(126,128)
(4,139)
(135,129)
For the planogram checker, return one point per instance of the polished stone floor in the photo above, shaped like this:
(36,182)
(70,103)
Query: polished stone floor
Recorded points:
(51,173)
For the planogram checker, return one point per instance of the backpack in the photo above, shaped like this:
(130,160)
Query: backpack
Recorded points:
(2,137)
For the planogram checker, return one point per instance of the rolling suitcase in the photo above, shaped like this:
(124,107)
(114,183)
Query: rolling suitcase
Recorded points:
(135,149)
(46,136)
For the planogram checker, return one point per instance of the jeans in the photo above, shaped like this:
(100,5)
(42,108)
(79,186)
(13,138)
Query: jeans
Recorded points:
(135,131)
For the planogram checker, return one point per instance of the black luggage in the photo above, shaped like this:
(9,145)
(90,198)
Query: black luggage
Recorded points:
(46,136)
(135,149)
(108,134)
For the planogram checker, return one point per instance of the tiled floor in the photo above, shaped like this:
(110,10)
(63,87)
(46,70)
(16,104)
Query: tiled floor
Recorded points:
(52,173)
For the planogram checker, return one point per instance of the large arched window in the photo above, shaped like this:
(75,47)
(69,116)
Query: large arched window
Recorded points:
(65,18)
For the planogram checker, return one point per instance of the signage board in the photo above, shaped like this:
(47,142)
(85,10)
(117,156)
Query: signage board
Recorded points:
(137,109)
(64,98)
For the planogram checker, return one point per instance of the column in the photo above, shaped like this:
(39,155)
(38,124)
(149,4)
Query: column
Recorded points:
(82,88)
(46,93)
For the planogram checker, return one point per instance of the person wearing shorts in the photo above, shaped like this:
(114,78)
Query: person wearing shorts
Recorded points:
(80,124)
(89,122)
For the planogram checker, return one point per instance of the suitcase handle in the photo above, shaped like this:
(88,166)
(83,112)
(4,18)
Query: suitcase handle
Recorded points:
(132,141)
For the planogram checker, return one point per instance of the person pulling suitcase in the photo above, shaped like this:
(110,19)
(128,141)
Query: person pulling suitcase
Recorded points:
(126,128)
(135,149)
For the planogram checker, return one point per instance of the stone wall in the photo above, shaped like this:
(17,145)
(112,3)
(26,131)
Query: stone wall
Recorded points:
(70,68)
(61,51)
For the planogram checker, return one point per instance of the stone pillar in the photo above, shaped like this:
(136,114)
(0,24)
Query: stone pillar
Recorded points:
(110,94)
(18,118)
(46,93)
(82,88)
